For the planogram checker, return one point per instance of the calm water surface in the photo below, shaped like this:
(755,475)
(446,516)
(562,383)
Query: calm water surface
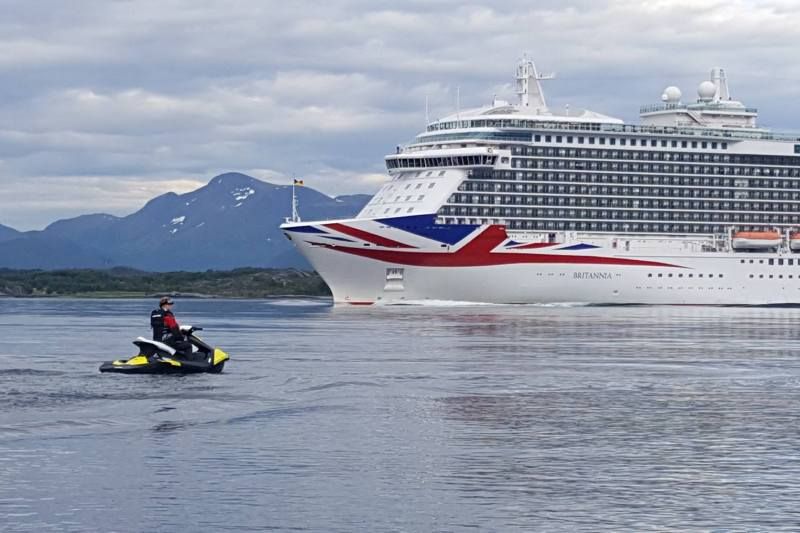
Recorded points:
(474,418)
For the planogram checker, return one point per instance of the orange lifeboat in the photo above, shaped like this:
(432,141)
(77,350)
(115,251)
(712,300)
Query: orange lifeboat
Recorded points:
(756,240)
(794,241)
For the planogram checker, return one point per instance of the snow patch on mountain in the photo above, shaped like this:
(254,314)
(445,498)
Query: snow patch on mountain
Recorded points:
(242,193)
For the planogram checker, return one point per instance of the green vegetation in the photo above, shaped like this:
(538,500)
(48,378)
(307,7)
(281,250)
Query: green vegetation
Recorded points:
(129,283)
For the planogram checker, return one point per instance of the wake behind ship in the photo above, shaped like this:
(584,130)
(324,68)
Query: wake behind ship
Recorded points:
(518,203)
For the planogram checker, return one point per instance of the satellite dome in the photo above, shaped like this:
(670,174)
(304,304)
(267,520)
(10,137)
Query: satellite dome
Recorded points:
(706,90)
(671,95)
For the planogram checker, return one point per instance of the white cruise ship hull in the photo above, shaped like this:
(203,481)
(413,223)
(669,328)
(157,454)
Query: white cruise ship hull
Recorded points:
(377,261)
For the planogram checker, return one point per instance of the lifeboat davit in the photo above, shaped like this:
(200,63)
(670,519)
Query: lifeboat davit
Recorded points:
(794,241)
(757,240)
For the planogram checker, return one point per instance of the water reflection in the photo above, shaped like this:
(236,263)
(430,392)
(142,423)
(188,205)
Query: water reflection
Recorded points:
(420,419)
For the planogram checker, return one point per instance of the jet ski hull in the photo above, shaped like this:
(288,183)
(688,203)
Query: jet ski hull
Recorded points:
(163,366)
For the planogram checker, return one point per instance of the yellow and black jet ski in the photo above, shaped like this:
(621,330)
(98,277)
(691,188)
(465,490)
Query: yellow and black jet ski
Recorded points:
(158,358)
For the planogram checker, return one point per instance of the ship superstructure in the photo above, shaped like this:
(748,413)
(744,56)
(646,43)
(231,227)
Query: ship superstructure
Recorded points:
(521,203)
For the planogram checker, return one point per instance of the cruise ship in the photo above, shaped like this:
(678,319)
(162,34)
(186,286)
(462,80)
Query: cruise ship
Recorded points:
(521,203)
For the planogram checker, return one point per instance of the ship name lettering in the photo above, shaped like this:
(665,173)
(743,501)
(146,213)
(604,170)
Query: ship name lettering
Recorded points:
(592,275)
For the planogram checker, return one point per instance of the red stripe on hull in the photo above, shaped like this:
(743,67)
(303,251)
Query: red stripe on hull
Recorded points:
(535,245)
(366,236)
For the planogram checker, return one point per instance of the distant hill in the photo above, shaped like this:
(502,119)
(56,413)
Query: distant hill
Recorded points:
(7,233)
(231,222)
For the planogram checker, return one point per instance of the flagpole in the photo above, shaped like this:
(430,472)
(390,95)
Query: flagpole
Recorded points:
(295,214)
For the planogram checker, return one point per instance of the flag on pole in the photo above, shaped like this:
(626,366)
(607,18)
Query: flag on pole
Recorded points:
(298,182)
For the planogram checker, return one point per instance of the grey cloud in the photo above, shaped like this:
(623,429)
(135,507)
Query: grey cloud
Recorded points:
(144,93)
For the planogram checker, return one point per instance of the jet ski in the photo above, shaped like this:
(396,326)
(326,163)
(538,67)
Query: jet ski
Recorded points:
(158,358)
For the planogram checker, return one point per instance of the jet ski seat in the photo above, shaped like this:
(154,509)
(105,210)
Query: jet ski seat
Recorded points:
(160,345)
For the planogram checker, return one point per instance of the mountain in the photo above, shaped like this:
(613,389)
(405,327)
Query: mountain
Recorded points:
(37,250)
(7,233)
(232,222)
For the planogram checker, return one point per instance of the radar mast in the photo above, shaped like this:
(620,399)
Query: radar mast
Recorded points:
(529,89)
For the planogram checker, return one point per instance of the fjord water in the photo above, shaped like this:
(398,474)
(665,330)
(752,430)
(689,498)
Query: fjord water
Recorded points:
(415,418)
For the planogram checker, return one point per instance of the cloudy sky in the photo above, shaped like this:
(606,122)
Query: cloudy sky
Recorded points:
(105,104)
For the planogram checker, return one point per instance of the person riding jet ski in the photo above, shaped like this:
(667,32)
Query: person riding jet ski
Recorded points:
(166,328)
(156,357)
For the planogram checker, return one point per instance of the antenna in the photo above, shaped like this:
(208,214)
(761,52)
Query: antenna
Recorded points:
(458,106)
(721,82)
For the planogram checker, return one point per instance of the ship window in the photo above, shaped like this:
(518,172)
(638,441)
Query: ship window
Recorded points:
(771,261)
(751,275)
(790,262)
(761,276)
(537,138)
(548,138)
(612,141)
(780,262)
(431,185)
